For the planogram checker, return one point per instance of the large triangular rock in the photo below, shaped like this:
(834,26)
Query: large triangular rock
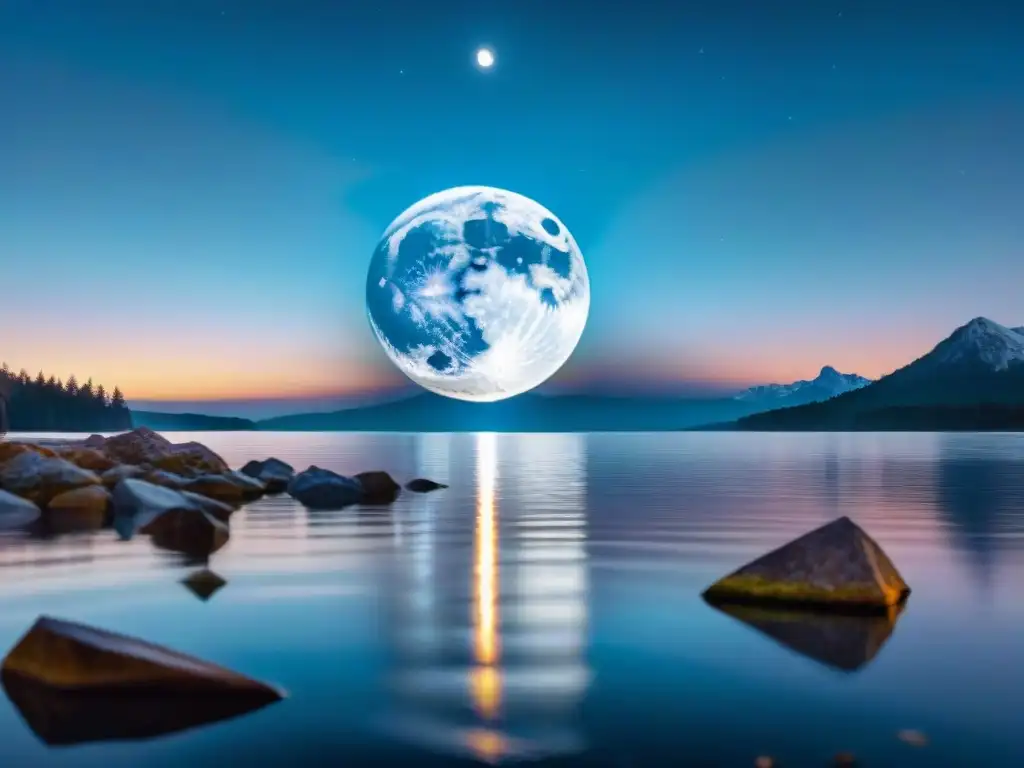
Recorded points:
(73,683)
(76,657)
(837,566)
(846,643)
(203,583)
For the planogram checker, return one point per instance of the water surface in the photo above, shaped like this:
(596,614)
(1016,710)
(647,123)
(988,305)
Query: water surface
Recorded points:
(547,605)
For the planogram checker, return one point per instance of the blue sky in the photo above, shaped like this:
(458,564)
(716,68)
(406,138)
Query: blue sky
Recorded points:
(190,192)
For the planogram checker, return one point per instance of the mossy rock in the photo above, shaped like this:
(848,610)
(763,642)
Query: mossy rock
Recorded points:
(837,566)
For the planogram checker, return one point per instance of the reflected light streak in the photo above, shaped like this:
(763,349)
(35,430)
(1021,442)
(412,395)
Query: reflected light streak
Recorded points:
(485,682)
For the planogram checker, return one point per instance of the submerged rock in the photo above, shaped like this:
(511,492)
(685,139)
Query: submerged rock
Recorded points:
(81,509)
(133,497)
(16,512)
(74,683)
(203,583)
(189,531)
(318,488)
(378,487)
(836,566)
(39,478)
(843,642)
(273,473)
(422,485)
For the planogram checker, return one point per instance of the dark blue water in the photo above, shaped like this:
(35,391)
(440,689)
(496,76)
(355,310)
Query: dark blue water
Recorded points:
(546,607)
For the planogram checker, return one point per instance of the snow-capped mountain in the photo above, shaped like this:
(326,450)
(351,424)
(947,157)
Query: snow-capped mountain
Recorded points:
(973,378)
(980,342)
(827,384)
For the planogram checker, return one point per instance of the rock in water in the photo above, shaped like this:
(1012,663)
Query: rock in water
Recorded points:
(73,683)
(422,485)
(82,509)
(252,488)
(189,531)
(322,489)
(378,487)
(16,512)
(273,473)
(87,458)
(39,478)
(218,510)
(842,642)
(113,476)
(837,566)
(216,487)
(203,583)
(144,446)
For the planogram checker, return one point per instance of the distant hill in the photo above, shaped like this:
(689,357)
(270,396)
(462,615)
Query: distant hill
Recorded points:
(189,422)
(974,379)
(526,413)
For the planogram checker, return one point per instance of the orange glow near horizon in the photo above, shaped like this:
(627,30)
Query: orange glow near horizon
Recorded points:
(485,679)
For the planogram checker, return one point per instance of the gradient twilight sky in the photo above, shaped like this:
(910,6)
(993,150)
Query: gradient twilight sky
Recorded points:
(190,191)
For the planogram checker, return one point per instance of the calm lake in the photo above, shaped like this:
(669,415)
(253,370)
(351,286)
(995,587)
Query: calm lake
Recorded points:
(547,606)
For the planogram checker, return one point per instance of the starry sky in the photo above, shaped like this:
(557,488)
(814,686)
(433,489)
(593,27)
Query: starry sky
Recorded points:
(190,190)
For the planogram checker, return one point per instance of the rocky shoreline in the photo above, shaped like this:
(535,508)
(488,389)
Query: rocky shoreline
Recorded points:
(182,495)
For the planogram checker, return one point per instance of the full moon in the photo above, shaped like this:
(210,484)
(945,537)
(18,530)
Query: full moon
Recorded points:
(477,293)
(485,58)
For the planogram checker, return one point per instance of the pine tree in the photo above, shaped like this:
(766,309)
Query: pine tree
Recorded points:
(117,399)
(101,395)
(86,390)
(72,386)
(40,380)
(51,383)
(23,377)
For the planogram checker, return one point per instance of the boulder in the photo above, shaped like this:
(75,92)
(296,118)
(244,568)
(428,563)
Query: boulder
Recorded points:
(87,458)
(74,683)
(140,446)
(836,566)
(164,479)
(218,510)
(251,487)
(273,473)
(422,485)
(318,488)
(216,487)
(9,451)
(138,499)
(189,531)
(203,583)
(114,475)
(16,512)
(81,509)
(94,441)
(844,642)
(144,446)
(39,478)
(378,487)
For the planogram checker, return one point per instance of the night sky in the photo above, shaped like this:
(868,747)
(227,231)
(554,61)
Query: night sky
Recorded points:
(190,192)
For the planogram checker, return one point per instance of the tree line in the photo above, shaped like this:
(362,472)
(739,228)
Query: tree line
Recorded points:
(48,404)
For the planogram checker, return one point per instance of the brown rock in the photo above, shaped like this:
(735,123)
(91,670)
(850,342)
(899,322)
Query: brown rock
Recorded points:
(87,458)
(74,683)
(39,478)
(9,450)
(837,566)
(94,441)
(190,531)
(216,487)
(251,487)
(203,583)
(140,446)
(191,459)
(81,509)
(378,487)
